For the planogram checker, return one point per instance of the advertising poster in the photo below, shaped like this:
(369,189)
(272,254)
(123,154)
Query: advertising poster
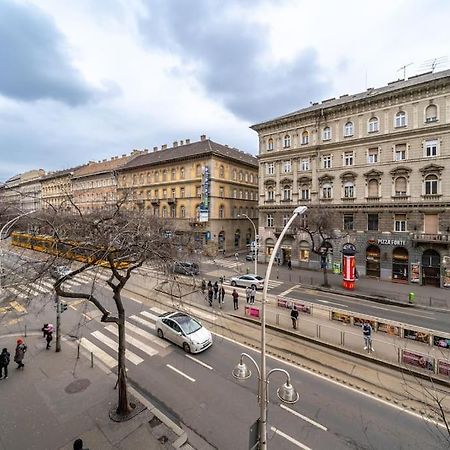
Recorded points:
(344,318)
(358,322)
(444,368)
(446,278)
(389,329)
(415,273)
(301,307)
(418,360)
(282,303)
(441,342)
(251,311)
(418,336)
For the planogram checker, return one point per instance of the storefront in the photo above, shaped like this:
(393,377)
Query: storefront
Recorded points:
(373,261)
(431,268)
(400,264)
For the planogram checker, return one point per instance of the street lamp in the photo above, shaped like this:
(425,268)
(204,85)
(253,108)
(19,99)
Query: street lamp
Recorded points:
(256,241)
(5,228)
(286,393)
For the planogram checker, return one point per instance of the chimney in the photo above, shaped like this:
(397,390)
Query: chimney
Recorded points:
(175,144)
(188,141)
(164,147)
(145,150)
(105,160)
(181,142)
(123,156)
(155,149)
(203,137)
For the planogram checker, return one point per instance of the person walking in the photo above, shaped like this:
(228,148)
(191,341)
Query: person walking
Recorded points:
(216,289)
(367,334)
(78,445)
(253,295)
(235,299)
(289,264)
(4,362)
(221,296)
(248,291)
(210,295)
(49,338)
(203,286)
(48,328)
(294,317)
(21,348)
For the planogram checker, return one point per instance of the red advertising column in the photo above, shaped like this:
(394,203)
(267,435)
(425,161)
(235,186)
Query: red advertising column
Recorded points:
(348,266)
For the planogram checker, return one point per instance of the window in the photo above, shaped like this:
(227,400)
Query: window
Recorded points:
(372,155)
(372,189)
(182,212)
(164,193)
(270,144)
(234,193)
(164,211)
(400,186)
(198,191)
(270,194)
(221,212)
(373,125)
(327,190)
(221,192)
(305,193)
(305,138)
(287,167)
(400,152)
(431,113)
(372,222)
(286,218)
(349,189)
(241,195)
(270,168)
(348,129)
(431,185)
(348,221)
(182,192)
(173,212)
(149,178)
(221,172)
(304,251)
(287,141)
(234,175)
(431,148)
(400,119)
(400,222)
(173,174)
(174,193)
(269,220)
(241,176)
(287,192)
(164,177)
(246,195)
(156,176)
(304,164)
(182,173)
(326,134)
(251,178)
(326,162)
(198,170)
(156,193)
(348,158)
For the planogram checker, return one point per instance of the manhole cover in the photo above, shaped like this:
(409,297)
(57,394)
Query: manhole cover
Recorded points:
(77,386)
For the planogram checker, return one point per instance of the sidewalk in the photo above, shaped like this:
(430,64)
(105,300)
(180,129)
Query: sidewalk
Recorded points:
(58,398)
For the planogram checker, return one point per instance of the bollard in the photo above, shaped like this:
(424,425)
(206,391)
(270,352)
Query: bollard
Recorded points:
(78,351)
(25,334)
(411,297)
(92,359)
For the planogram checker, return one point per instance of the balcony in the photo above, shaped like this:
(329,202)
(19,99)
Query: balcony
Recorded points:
(373,199)
(432,238)
(171,200)
(289,232)
(195,222)
(155,201)
(286,200)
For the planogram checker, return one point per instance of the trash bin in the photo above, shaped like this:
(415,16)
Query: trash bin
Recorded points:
(411,297)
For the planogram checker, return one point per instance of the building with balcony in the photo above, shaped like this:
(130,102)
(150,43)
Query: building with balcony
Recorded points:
(379,160)
(205,187)
(30,190)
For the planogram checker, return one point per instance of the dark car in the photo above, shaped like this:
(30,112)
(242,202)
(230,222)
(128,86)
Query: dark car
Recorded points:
(250,257)
(186,268)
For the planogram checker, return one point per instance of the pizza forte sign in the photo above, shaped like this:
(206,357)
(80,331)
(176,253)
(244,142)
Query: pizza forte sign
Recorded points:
(391,242)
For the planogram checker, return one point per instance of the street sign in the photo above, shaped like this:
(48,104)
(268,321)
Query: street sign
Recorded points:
(253,441)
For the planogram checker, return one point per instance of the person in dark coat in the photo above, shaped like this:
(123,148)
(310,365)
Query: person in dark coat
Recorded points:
(203,286)
(210,295)
(221,295)
(4,362)
(78,445)
(21,348)
(294,317)
(216,290)
(235,299)
(49,338)
(289,264)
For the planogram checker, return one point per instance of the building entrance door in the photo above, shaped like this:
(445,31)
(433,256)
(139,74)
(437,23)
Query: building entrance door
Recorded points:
(373,261)
(431,268)
(400,264)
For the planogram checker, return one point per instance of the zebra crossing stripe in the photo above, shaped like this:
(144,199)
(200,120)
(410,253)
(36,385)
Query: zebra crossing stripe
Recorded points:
(158,310)
(132,357)
(46,283)
(18,307)
(39,288)
(106,359)
(17,293)
(204,315)
(149,315)
(147,335)
(132,341)
(72,283)
(143,322)
(83,278)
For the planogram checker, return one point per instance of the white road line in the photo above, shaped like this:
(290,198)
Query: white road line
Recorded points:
(306,419)
(71,283)
(106,359)
(40,288)
(333,303)
(149,315)
(83,278)
(158,310)
(132,357)
(199,362)
(49,284)
(143,322)
(16,292)
(181,373)
(290,439)
(146,335)
(204,315)
(288,291)
(134,300)
(135,342)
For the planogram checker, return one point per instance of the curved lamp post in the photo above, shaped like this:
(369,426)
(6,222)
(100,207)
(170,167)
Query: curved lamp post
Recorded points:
(287,392)
(256,241)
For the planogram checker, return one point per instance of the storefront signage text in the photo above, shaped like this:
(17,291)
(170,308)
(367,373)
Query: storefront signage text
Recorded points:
(391,242)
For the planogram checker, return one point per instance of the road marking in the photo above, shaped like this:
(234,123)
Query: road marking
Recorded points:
(333,303)
(143,322)
(17,293)
(106,359)
(135,342)
(86,316)
(83,278)
(39,288)
(132,357)
(290,439)
(288,291)
(49,284)
(149,315)
(204,315)
(146,335)
(18,307)
(134,300)
(181,373)
(199,362)
(306,419)
(158,310)
(73,307)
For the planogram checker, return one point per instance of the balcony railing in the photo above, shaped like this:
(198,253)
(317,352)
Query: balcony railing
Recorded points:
(425,237)
(290,231)
(373,199)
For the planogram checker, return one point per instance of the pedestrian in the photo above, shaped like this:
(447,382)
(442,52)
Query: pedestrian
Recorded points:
(203,286)
(78,445)
(215,289)
(367,334)
(4,362)
(209,284)
(47,328)
(49,339)
(21,348)
(235,299)
(221,296)
(294,317)
(44,329)
(210,295)
(289,264)
(248,291)
(253,295)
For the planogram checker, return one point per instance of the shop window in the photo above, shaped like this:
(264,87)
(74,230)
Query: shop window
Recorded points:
(400,263)
(304,253)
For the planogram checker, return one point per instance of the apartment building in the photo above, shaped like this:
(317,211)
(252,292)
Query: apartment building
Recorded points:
(379,159)
(56,189)
(30,190)
(205,187)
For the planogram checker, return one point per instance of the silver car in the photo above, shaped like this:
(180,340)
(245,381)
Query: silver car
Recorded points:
(248,280)
(184,331)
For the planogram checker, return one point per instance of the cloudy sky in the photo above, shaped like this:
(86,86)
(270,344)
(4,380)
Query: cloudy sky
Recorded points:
(90,79)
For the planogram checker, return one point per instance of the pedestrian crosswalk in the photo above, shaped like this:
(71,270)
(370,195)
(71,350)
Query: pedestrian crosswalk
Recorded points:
(228,263)
(271,285)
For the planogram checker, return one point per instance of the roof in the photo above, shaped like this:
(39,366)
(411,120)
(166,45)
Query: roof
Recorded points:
(60,173)
(202,148)
(94,167)
(368,94)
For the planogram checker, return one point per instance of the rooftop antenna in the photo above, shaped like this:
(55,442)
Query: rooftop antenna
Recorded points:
(404,69)
(430,65)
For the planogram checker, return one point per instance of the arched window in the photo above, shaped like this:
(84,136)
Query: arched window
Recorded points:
(326,134)
(287,192)
(164,175)
(182,173)
(400,186)
(348,129)
(251,178)
(241,176)
(349,189)
(246,177)
(182,212)
(134,180)
(156,176)
(373,125)
(149,178)
(431,113)
(270,144)
(198,170)
(287,141)
(305,137)
(173,174)
(221,172)
(327,190)
(400,119)
(241,195)
(372,189)
(246,195)
(270,194)
(221,212)
(431,184)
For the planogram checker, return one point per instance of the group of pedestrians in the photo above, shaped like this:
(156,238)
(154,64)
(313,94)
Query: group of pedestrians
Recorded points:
(5,357)
(250,294)
(214,292)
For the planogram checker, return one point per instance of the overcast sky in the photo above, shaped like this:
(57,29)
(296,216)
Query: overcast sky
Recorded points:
(90,79)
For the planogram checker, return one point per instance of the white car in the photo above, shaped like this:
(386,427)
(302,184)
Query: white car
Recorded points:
(248,280)
(184,331)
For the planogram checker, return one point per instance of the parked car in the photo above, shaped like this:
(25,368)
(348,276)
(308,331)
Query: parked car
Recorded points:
(186,268)
(250,257)
(58,272)
(184,331)
(248,280)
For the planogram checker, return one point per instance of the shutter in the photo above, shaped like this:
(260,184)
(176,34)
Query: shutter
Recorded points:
(373,188)
(400,184)
(430,223)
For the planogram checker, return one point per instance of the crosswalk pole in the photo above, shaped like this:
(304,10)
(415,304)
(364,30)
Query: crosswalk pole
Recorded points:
(58,324)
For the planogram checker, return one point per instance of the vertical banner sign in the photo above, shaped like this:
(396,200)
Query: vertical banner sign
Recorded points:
(204,207)
(348,266)
(415,273)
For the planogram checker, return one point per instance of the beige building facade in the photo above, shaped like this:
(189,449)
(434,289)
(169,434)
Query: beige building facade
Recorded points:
(56,190)
(30,190)
(205,187)
(380,160)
